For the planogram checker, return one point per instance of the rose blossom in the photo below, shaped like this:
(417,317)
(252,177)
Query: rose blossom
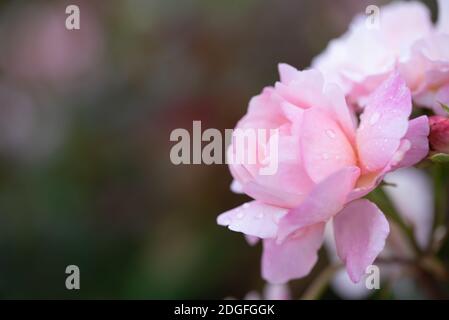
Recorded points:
(427,69)
(405,40)
(326,163)
(364,57)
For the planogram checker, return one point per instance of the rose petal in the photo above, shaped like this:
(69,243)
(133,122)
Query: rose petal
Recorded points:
(384,123)
(326,200)
(254,219)
(286,72)
(360,232)
(417,134)
(294,258)
(325,147)
(413,197)
(443,16)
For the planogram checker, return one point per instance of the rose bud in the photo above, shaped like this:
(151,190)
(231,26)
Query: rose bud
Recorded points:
(439,134)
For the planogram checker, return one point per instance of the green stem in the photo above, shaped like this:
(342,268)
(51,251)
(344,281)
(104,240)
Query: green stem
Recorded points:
(386,205)
(439,178)
(320,283)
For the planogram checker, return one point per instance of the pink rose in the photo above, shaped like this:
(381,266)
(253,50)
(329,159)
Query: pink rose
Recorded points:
(427,71)
(405,40)
(365,56)
(327,161)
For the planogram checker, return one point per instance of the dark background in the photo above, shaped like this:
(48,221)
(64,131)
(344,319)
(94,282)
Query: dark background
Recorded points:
(85,120)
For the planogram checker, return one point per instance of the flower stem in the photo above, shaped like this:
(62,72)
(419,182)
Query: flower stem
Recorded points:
(320,283)
(386,205)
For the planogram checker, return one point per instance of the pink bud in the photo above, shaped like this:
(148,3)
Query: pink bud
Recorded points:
(439,134)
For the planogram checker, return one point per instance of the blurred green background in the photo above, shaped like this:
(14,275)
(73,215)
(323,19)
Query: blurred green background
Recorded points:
(85,120)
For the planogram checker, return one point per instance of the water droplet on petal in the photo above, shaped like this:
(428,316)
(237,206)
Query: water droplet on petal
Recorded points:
(246,205)
(330,133)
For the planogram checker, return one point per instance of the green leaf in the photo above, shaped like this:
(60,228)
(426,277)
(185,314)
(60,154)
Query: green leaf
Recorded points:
(387,184)
(445,107)
(440,158)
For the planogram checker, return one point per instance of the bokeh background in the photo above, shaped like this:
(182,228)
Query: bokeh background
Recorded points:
(85,120)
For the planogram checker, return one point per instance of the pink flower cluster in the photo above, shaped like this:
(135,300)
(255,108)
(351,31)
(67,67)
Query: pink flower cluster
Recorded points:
(330,157)
(407,41)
